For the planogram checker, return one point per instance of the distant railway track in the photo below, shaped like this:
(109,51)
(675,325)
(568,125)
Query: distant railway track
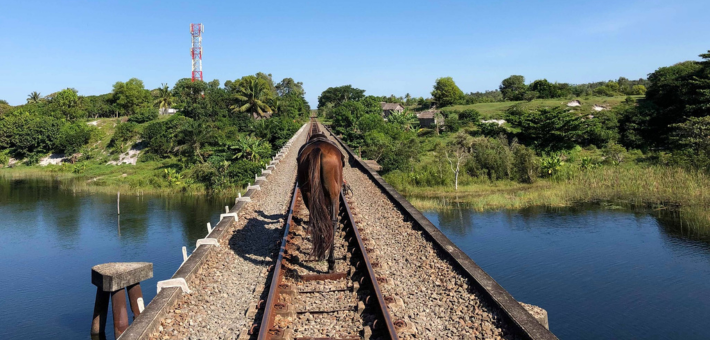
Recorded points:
(306,302)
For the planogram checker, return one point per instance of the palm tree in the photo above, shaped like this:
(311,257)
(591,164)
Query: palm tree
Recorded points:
(407,120)
(165,98)
(253,93)
(250,148)
(34,97)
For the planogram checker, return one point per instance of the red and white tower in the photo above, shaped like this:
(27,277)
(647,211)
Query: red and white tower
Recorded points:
(196,30)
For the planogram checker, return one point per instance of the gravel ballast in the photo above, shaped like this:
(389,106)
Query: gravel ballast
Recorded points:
(433,298)
(233,276)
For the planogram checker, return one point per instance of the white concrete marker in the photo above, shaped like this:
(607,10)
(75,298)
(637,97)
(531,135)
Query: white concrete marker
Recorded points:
(184,254)
(243,199)
(207,241)
(256,187)
(222,216)
(141,306)
(226,209)
(209,228)
(179,282)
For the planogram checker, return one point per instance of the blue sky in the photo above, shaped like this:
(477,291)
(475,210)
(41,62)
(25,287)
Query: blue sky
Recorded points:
(384,47)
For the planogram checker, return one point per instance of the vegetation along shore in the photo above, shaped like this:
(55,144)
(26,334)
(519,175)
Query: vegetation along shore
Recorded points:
(642,143)
(196,137)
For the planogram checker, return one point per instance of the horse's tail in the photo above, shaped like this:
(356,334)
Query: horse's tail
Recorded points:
(321,230)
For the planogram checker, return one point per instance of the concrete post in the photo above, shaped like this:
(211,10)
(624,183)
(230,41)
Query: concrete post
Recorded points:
(135,293)
(111,279)
(120,313)
(98,324)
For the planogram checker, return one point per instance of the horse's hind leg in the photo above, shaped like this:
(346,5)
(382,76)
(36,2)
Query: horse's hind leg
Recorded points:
(331,256)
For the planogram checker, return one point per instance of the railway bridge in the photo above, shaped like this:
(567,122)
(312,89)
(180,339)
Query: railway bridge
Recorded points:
(397,276)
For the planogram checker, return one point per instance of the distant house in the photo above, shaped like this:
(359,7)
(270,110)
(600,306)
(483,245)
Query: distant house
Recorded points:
(390,108)
(429,118)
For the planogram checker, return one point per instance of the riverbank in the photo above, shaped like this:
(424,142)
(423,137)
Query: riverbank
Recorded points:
(655,187)
(154,178)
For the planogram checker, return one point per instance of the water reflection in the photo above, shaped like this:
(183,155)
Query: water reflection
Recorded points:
(600,271)
(51,237)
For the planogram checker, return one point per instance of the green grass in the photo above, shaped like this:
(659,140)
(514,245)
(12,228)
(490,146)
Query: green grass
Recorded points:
(656,187)
(497,110)
(142,178)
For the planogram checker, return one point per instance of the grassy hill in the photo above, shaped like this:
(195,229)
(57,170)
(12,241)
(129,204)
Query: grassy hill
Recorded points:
(497,110)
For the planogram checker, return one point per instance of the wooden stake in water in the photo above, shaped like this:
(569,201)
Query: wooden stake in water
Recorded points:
(118,202)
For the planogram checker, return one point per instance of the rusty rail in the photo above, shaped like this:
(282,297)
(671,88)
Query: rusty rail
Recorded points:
(370,272)
(268,318)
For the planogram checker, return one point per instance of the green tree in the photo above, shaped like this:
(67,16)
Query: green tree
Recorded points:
(544,88)
(66,102)
(638,90)
(72,137)
(513,87)
(546,129)
(339,95)
(694,134)
(129,96)
(289,87)
(446,92)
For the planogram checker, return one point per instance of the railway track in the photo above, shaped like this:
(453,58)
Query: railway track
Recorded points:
(305,302)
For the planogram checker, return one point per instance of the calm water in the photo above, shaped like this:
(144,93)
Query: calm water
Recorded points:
(601,274)
(50,238)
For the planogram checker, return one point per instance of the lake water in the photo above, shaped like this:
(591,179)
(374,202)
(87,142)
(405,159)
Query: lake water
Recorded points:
(50,238)
(600,273)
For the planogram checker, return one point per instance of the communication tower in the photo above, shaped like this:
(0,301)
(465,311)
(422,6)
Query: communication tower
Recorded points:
(196,31)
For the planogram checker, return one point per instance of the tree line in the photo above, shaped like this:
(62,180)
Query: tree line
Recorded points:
(220,135)
(669,125)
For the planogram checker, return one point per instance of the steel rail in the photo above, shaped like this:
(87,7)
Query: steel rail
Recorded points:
(370,272)
(266,319)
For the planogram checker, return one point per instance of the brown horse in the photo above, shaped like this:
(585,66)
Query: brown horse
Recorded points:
(320,177)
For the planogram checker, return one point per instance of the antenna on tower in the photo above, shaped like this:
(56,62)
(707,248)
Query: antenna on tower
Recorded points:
(196,31)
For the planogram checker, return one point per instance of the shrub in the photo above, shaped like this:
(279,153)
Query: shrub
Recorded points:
(156,136)
(469,116)
(4,157)
(551,165)
(490,157)
(72,137)
(123,134)
(242,172)
(28,133)
(144,114)
(614,153)
(525,164)
(491,129)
